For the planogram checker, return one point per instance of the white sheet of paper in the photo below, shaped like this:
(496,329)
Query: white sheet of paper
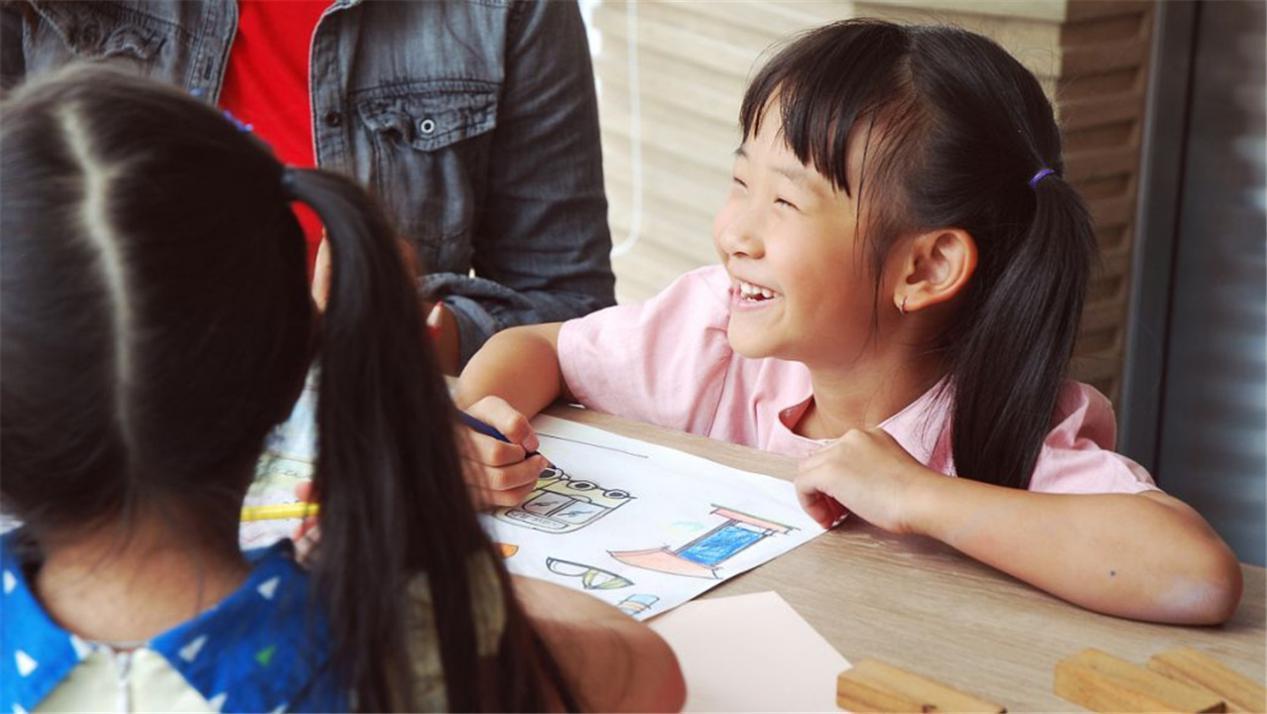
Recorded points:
(290,455)
(751,653)
(643,527)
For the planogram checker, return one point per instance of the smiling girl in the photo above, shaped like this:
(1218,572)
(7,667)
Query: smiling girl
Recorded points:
(902,276)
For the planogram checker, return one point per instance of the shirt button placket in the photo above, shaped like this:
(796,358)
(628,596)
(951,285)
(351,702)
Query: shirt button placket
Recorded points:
(329,137)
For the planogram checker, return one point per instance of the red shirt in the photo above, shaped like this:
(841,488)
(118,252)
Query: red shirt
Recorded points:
(266,85)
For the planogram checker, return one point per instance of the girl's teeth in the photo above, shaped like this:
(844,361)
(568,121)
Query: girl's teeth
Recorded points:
(754,292)
(749,290)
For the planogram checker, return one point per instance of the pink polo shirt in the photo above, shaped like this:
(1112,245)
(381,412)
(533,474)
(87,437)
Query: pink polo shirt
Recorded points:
(667,361)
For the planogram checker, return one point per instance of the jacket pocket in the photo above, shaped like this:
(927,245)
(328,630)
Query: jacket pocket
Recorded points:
(430,116)
(430,142)
(98,31)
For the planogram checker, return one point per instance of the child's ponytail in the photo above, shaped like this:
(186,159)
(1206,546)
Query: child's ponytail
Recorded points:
(1008,366)
(386,454)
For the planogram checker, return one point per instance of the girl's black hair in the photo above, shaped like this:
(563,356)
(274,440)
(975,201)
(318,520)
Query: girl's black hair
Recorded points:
(955,129)
(157,324)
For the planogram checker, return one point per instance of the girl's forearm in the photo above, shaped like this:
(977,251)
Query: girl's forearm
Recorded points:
(1146,557)
(520,365)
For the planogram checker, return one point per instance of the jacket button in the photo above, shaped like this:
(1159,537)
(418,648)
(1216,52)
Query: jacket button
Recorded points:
(427,126)
(333,118)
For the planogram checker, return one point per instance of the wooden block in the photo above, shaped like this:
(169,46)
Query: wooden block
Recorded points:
(1199,669)
(874,686)
(1103,683)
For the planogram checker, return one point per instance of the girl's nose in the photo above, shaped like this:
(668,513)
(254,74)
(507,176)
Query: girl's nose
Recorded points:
(739,236)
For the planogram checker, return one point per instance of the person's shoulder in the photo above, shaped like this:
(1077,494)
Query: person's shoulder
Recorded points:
(1083,412)
(1078,455)
(487,611)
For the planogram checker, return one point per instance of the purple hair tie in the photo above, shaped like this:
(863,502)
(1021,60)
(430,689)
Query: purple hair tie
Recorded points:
(241,125)
(1042,174)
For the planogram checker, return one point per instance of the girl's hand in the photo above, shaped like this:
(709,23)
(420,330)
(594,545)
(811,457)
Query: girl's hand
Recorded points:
(499,473)
(308,532)
(320,287)
(865,472)
(442,328)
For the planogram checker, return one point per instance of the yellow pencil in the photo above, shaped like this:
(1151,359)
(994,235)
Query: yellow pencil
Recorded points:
(279,511)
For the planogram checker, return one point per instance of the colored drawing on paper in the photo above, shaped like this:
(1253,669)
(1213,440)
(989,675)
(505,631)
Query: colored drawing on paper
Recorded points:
(703,556)
(506,549)
(592,578)
(561,504)
(635,605)
(606,496)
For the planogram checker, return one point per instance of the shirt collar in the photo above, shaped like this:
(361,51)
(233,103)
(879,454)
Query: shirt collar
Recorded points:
(263,647)
(915,426)
(35,653)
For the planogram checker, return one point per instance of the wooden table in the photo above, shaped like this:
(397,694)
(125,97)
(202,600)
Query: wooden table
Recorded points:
(921,605)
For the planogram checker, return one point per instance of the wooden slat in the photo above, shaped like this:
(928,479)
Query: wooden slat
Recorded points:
(1103,683)
(711,144)
(1079,10)
(1096,111)
(1035,43)
(1106,29)
(1199,669)
(1098,59)
(706,101)
(875,686)
(1083,165)
(688,47)
(1113,211)
(750,25)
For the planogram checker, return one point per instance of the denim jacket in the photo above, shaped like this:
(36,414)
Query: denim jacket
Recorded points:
(475,124)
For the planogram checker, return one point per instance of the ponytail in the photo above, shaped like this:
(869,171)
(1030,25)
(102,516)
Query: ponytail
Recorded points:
(388,478)
(1007,370)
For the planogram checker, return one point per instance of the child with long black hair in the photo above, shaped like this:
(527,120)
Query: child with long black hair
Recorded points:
(903,274)
(156,324)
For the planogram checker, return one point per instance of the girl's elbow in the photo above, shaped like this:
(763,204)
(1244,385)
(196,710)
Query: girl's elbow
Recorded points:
(1212,595)
(1226,585)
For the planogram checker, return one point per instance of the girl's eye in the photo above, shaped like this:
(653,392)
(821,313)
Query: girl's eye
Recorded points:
(738,182)
(784,202)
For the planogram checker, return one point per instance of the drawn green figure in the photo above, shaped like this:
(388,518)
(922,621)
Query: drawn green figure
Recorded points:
(561,504)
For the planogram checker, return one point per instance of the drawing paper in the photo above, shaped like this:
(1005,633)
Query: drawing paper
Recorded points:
(643,527)
(290,454)
(751,653)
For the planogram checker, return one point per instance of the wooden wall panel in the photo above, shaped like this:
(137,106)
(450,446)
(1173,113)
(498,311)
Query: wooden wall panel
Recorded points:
(1100,100)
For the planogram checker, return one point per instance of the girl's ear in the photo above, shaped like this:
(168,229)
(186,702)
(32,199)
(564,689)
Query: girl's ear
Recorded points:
(938,265)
